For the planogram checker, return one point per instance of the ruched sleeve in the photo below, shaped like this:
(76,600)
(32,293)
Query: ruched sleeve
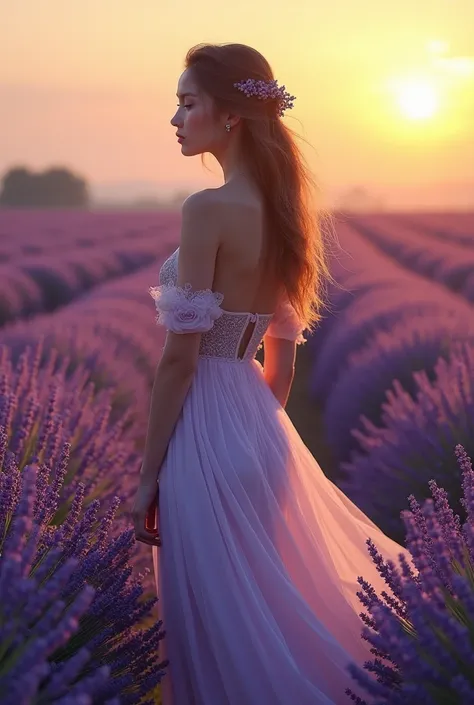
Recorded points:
(182,310)
(286,324)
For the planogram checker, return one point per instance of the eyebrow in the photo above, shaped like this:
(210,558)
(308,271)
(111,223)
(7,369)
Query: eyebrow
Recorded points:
(181,95)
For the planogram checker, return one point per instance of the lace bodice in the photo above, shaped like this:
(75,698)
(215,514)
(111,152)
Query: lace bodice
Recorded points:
(182,310)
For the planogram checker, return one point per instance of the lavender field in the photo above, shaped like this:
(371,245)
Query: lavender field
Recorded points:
(386,382)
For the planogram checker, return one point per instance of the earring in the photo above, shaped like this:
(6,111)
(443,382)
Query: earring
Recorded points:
(227,127)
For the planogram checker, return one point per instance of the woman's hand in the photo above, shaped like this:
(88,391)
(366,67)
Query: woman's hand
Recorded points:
(145,513)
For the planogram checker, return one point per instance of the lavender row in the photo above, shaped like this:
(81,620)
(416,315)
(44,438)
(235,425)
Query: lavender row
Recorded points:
(413,345)
(444,262)
(108,341)
(30,232)
(421,627)
(455,228)
(373,294)
(67,407)
(111,331)
(74,407)
(44,282)
(386,325)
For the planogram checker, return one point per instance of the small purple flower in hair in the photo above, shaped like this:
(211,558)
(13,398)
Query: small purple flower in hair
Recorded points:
(267,90)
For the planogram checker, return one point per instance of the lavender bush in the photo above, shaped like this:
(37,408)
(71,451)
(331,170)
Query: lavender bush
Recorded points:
(60,420)
(20,296)
(423,638)
(414,442)
(56,417)
(69,608)
(412,345)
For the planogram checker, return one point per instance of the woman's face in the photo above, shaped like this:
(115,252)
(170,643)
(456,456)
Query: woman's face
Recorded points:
(194,120)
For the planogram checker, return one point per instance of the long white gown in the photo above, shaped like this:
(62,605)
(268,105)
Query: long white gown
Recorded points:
(257,572)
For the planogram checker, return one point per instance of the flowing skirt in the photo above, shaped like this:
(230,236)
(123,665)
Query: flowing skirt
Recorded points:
(257,572)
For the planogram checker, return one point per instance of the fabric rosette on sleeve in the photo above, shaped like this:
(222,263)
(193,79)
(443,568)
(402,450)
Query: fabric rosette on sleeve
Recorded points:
(182,310)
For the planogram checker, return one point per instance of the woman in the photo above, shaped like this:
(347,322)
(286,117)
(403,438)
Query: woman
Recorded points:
(256,552)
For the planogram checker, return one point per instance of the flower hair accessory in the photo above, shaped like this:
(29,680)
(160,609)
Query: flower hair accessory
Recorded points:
(267,90)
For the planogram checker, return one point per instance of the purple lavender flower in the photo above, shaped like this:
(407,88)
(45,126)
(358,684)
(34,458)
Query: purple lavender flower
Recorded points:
(267,90)
(70,610)
(414,442)
(84,445)
(412,345)
(424,644)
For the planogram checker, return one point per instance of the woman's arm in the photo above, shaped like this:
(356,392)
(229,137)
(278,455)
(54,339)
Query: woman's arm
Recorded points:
(175,372)
(197,256)
(280,387)
(170,388)
(279,366)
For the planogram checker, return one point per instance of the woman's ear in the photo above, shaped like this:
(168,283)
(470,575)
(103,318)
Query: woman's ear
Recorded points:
(232,120)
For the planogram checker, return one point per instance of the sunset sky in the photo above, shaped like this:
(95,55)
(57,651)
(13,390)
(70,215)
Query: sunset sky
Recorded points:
(385,91)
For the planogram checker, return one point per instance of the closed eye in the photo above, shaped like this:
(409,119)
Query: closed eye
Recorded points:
(184,106)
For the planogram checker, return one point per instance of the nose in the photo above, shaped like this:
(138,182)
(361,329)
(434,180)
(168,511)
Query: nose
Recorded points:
(174,121)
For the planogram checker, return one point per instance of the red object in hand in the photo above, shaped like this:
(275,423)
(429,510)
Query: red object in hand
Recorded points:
(151,519)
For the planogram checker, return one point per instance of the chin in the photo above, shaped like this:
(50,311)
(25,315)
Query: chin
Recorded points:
(188,151)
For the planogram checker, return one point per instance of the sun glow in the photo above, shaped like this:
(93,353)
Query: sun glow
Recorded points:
(417,98)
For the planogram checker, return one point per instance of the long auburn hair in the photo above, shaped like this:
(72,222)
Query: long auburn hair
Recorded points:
(298,252)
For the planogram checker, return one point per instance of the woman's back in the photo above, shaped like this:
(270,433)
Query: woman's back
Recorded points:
(240,274)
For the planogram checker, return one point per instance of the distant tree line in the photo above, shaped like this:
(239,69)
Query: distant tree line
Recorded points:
(53,188)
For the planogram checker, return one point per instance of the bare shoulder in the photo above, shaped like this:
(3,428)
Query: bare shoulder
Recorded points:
(220,205)
(224,197)
(200,217)
(200,201)
(207,205)
(223,214)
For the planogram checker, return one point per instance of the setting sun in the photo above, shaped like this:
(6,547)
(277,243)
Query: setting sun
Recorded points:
(417,98)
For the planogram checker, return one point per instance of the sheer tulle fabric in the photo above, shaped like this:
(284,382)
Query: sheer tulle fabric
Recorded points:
(257,572)
(182,310)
